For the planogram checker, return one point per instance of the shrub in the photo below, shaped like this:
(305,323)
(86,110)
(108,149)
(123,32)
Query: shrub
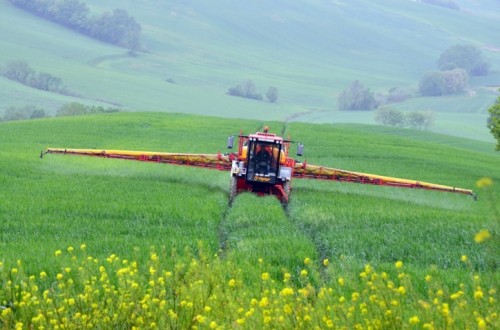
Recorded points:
(439,83)
(419,119)
(356,97)
(388,116)
(77,109)
(465,57)
(246,89)
(22,113)
(272,94)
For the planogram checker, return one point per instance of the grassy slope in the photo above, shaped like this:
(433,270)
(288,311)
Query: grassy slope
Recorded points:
(125,207)
(310,50)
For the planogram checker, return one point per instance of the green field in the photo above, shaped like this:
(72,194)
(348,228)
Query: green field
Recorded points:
(90,243)
(130,210)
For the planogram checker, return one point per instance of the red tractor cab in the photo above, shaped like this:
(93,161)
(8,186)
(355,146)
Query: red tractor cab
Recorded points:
(262,166)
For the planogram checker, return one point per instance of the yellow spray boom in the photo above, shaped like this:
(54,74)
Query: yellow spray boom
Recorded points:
(260,165)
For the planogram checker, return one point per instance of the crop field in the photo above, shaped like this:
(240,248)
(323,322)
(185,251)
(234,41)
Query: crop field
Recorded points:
(90,242)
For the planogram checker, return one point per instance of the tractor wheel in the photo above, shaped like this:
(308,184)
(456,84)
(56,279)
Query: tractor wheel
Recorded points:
(286,189)
(233,189)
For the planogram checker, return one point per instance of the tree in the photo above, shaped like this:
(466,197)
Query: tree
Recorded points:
(71,13)
(272,94)
(389,117)
(494,121)
(454,81)
(465,57)
(46,82)
(247,90)
(356,97)
(18,71)
(431,84)
(420,119)
(72,109)
(117,28)
(22,113)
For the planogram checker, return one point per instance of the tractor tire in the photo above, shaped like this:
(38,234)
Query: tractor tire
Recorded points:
(233,189)
(286,188)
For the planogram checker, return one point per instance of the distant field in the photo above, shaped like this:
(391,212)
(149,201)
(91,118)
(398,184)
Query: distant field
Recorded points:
(207,49)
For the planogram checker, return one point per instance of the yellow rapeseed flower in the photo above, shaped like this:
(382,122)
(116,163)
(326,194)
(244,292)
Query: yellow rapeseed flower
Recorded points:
(482,236)
(402,290)
(264,302)
(287,292)
(484,182)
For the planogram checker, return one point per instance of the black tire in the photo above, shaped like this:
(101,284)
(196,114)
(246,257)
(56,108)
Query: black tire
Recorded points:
(286,188)
(233,189)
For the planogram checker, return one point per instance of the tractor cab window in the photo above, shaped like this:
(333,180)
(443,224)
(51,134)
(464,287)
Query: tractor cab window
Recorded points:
(263,161)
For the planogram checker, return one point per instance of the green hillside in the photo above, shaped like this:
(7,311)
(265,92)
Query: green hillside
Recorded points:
(309,50)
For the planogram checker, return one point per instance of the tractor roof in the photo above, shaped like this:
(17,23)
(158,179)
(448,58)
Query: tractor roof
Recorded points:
(268,137)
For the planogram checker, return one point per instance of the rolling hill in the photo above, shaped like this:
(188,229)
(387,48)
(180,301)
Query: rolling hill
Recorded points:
(310,50)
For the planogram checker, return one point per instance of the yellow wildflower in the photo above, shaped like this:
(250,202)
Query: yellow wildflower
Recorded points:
(264,276)
(414,320)
(303,273)
(307,261)
(326,262)
(58,253)
(398,264)
(484,182)
(482,236)
(232,282)
(464,258)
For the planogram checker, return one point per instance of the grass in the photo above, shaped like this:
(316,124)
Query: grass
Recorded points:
(92,242)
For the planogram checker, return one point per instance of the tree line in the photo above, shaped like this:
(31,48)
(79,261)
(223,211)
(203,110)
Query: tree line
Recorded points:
(456,64)
(21,72)
(393,117)
(116,27)
(68,109)
(248,90)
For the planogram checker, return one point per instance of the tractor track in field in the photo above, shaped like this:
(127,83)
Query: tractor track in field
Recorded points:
(310,233)
(222,233)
